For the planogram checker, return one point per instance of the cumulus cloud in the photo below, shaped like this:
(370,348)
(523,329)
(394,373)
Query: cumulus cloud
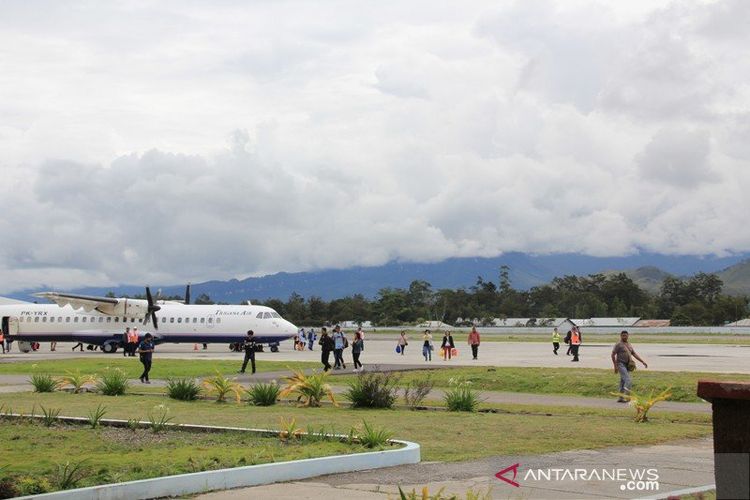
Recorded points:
(233,139)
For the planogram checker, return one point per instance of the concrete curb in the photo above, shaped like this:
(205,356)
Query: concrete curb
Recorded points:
(238,477)
(680,493)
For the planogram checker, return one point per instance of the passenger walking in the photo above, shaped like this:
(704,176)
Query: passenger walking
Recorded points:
(567,341)
(427,345)
(575,342)
(622,359)
(447,346)
(339,343)
(249,346)
(146,350)
(311,338)
(555,341)
(403,341)
(126,342)
(474,342)
(357,350)
(326,346)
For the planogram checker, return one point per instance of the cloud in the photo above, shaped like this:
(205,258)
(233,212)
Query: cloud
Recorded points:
(234,139)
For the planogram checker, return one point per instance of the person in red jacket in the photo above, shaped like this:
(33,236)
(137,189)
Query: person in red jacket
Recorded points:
(474,342)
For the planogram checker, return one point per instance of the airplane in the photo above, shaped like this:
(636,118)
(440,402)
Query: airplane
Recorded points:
(101,321)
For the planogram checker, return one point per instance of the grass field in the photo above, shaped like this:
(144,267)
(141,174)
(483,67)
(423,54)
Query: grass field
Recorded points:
(113,455)
(443,436)
(163,368)
(592,382)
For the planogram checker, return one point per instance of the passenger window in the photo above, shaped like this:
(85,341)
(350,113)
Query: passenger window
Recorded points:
(195,320)
(171,320)
(117,319)
(187,320)
(109,319)
(83,319)
(75,320)
(101,319)
(179,320)
(59,319)
(218,320)
(67,319)
(275,315)
(163,320)
(210,320)
(203,320)
(44,319)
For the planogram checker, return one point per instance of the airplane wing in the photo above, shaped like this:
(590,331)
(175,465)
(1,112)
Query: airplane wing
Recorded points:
(88,303)
(4,301)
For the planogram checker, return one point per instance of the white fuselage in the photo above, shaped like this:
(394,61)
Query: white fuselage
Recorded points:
(177,323)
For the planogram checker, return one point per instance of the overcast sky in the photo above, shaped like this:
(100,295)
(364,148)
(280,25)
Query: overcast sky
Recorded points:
(164,142)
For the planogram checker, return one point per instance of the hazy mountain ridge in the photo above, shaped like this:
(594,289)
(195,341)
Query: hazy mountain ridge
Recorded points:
(527,270)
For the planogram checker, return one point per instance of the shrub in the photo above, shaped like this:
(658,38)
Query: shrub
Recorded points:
(96,415)
(417,391)
(49,415)
(43,382)
(263,394)
(372,437)
(158,419)
(8,488)
(113,382)
(222,386)
(425,495)
(310,389)
(461,397)
(184,389)
(288,429)
(643,403)
(134,423)
(373,390)
(69,474)
(33,485)
(76,380)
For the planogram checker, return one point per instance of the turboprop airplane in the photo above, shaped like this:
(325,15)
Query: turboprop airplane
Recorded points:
(101,321)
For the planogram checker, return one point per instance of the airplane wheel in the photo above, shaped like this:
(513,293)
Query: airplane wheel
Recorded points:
(24,346)
(109,347)
(274,348)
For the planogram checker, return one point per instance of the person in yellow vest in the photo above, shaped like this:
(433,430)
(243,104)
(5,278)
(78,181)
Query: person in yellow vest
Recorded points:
(555,340)
(575,342)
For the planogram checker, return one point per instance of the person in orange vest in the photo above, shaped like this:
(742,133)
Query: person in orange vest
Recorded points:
(134,338)
(474,342)
(575,342)
(2,340)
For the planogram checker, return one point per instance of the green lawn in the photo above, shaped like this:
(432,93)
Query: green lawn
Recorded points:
(444,436)
(113,455)
(163,368)
(593,382)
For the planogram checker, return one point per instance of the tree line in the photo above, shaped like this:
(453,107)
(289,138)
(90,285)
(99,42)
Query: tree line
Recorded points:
(697,301)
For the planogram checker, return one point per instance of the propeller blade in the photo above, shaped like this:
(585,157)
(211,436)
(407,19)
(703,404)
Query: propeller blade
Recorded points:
(154,320)
(151,311)
(187,294)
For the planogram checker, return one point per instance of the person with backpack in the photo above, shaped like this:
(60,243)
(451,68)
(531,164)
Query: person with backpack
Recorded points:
(575,343)
(249,346)
(622,359)
(447,346)
(567,341)
(339,344)
(326,346)
(311,338)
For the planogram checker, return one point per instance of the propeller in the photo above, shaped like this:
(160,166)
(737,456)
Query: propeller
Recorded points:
(152,308)
(187,294)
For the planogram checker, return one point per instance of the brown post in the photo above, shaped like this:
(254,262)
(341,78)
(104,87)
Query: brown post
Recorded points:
(730,402)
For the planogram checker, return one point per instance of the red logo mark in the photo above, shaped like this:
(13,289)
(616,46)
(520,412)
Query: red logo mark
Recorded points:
(501,475)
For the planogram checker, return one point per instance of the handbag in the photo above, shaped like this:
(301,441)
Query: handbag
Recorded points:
(398,349)
(454,352)
(631,365)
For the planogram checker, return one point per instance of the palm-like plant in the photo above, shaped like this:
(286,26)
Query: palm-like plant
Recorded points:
(222,386)
(76,380)
(288,429)
(643,403)
(310,389)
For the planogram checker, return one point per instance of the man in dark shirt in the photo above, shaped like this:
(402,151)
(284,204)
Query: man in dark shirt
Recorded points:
(326,346)
(249,346)
(146,350)
(622,359)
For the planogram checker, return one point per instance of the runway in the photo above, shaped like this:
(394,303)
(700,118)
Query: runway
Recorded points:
(663,357)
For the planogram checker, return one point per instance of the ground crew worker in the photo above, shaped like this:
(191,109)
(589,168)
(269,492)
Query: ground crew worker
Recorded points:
(249,346)
(134,337)
(555,340)
(126,342)
(575,342)
(2,340)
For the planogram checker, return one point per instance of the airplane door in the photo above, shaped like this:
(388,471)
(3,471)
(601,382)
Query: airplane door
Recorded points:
(10,325)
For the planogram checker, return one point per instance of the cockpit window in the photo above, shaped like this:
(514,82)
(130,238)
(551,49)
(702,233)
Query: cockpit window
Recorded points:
(259,315)
(275,315)
(267,315)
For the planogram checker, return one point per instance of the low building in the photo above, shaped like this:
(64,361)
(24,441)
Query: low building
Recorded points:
(605,322)
(562,324)
(743,322)
(652,323)
(434,325)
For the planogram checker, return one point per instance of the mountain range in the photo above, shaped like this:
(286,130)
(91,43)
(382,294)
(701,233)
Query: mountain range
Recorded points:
(526,271)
